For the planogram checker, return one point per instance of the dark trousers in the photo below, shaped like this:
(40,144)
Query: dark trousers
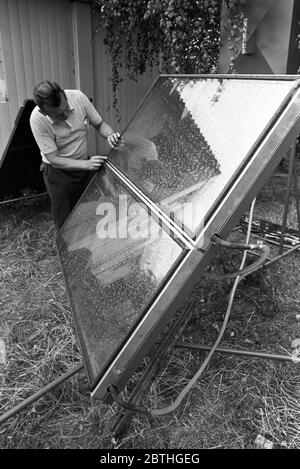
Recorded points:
(64,189)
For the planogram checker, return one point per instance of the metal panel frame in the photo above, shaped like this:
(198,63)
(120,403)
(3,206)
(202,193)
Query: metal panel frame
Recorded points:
(247,184)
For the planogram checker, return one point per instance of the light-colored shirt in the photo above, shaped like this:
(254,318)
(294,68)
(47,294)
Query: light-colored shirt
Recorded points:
(69,137)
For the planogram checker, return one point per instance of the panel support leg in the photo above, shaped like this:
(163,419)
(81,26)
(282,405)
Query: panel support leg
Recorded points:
(292,174)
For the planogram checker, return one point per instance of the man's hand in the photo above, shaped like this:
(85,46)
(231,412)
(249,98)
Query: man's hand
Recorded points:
(113,139)
(95,162)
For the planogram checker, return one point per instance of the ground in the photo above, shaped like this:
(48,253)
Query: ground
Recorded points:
(236,398)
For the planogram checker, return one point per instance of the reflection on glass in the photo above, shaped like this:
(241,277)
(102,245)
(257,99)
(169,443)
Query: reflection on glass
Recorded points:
(191,135)
(114,257)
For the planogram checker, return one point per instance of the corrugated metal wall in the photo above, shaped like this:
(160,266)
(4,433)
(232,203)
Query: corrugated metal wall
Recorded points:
(37,44)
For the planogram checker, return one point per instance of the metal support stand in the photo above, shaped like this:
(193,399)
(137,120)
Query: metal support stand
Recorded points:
(163,348)
(242,352)
(27,197)
(292,174)
(30,400)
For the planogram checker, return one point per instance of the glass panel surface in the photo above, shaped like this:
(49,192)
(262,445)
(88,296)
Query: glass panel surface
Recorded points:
(191,135)
(114,258)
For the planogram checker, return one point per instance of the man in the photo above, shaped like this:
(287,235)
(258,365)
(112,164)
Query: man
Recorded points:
(60,124)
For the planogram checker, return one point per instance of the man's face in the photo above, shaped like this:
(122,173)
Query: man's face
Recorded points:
(60,113)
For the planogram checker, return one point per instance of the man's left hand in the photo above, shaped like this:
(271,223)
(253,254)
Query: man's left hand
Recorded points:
(113,139)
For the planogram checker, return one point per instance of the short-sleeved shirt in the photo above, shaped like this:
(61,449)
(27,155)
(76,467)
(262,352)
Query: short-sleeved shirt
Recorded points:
(69,137)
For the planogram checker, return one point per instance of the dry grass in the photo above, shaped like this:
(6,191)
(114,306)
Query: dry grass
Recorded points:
(236,399)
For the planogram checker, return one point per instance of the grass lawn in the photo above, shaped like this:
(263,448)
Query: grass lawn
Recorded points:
(235,400)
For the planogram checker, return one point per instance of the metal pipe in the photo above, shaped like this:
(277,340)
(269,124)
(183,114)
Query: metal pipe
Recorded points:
(287,194)
(248,353)
(39,394)
(297,193)
(163,348)
(277,258)
(23,198)
(295,248)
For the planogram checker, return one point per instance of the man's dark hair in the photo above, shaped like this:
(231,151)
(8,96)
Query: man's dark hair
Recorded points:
(48,93)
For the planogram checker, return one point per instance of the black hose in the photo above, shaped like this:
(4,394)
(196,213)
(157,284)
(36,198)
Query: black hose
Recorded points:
(124,404)
(244,247)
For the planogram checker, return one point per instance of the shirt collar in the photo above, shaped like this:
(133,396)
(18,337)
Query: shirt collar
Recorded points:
(55,122)
(69,120)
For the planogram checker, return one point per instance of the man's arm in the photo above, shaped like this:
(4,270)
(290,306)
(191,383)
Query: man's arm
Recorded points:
(107,132)
(104,129)
(70,164)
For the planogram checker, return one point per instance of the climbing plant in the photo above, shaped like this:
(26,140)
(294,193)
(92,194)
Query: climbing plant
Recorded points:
(234,28)
(178,36)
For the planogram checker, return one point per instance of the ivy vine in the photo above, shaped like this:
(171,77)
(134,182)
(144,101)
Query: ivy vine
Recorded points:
(234,28)
(177,36)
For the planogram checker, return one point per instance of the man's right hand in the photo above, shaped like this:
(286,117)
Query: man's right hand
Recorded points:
(95,162)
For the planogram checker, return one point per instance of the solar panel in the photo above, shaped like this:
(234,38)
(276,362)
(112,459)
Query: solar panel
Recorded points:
(194,155)
(111,274)
(190,136)
(20,163)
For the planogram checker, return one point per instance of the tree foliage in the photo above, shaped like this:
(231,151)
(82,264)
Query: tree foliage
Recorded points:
(234,28)
(178,36)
